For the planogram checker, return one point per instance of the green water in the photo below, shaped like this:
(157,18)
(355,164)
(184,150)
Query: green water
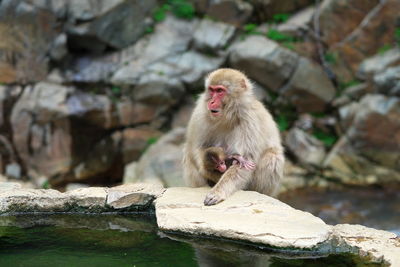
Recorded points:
(83,240)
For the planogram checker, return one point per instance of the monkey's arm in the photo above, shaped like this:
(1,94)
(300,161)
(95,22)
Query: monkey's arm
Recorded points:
(234,179)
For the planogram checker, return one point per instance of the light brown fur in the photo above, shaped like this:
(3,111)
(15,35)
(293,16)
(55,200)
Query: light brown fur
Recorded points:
(246,128)
(209,171)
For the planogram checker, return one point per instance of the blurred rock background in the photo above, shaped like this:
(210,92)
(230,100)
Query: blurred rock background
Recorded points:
(98,92)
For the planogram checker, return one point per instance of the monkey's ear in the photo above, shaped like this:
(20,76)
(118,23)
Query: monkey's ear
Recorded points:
(243,84)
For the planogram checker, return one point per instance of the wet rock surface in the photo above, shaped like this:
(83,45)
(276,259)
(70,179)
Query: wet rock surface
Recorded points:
(268,221)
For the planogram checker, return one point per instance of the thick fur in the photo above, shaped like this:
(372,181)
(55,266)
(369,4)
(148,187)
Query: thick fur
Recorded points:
(245,127)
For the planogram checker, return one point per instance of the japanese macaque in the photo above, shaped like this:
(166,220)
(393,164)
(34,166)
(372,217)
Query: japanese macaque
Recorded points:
(227,115)
(215,163)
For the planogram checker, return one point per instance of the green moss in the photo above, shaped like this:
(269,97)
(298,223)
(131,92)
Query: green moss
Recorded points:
(397,35)
(328,139)
(180,8)
(280,17)
(331,58)
(276,35)
(283,122)
(384,48)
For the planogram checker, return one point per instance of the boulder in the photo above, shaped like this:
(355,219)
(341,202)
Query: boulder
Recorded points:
(299,22)
(302,82)
(354,30)
(378,63)
(84,10)
(26,34)
(118,23)
(171,37)
(158,89)
(377,244)
(368,151)
(212,36)
(388,81)
(264,61)
(132,196)
(272,222)
(162,162)
(306,148)
(235,12)
(265,10)
(309,89)
(135,141)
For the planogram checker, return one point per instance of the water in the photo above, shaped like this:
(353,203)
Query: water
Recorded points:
(374,207)
(115,240)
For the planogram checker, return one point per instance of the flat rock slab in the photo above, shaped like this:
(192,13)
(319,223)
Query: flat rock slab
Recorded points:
(133,195)
(376,244)
(246,215)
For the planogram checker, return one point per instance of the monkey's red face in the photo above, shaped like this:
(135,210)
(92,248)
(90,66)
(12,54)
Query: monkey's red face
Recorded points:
(220,165)
(217,94)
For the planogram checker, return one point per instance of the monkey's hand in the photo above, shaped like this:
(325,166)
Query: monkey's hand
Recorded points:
(213,198)
(242,162)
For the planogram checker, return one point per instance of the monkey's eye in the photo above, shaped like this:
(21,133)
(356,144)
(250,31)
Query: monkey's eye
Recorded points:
(219,90)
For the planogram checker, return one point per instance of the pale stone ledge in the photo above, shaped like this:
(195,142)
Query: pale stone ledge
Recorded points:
(248,216)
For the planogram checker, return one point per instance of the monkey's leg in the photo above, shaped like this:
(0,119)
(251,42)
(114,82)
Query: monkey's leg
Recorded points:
(191,173)
(234,179)
(269,172)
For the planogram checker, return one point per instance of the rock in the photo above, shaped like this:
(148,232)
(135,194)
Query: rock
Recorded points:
(388,82)
(378,63)
(31,200)
(297,79)
(368,152)
(189,68)
(272,222)
(161,163)
(130,113)
(18,54)
(99,161)
(294,177)
(135,141)
(264,61)
(297,23)
(120,27)
(133,196)
(41,130)
(83,10)
(6,186)
(59,47)
(13,170)
(265,10)
(354,30)
(91,198)
(212,36)
(158,89)
(309,89)
(182,115)
(235,12)
(306,148)
(74,186)
(378,245)
(171,37)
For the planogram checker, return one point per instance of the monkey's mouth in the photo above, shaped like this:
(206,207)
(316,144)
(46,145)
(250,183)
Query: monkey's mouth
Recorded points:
(215,112)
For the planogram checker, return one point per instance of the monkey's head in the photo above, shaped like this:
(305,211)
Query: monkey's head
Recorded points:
(215,159)
(225,87)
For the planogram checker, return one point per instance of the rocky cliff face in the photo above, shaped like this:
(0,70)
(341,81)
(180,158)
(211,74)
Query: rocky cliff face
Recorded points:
(87,86)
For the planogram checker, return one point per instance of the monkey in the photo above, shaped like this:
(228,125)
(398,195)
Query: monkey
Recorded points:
(216,162)
(228,115)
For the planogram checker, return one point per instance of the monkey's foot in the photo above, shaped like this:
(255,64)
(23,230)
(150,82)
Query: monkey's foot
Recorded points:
(212,199)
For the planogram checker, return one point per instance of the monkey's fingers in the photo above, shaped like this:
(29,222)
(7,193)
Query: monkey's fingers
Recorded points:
(249,165)
(212,199)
